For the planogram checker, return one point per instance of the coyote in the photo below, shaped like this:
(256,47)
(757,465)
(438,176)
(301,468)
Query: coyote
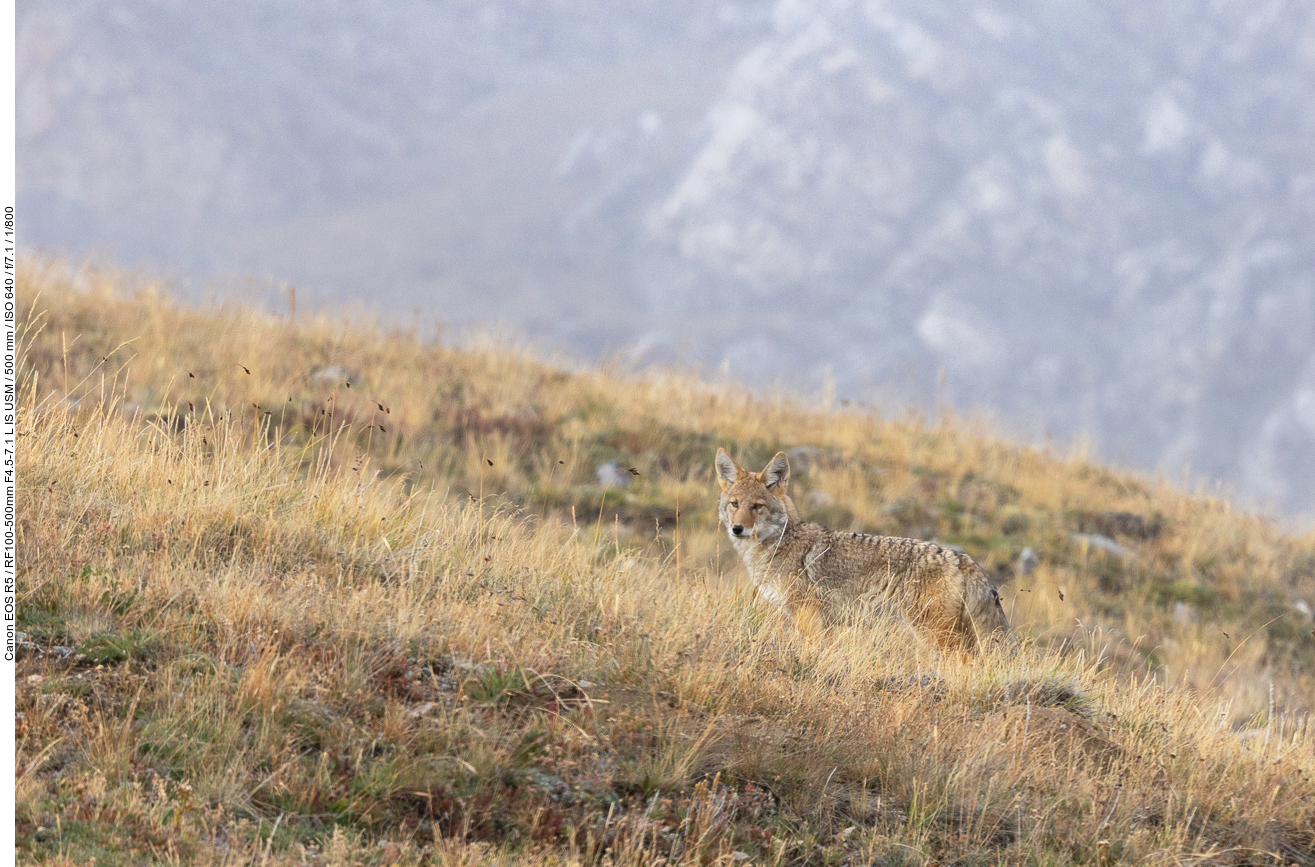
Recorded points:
(813,572)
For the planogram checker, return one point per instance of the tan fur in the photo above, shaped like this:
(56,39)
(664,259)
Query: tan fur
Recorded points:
(815,573)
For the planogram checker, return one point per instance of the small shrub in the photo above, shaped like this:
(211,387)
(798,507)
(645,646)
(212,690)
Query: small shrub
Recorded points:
(111,648)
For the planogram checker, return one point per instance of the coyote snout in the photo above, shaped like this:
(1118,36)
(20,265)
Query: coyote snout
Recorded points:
(812,572)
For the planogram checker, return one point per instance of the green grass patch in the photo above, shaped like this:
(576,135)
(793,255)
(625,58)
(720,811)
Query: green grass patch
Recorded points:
(111,648)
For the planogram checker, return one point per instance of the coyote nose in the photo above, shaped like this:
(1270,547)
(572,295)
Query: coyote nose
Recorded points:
(738,529)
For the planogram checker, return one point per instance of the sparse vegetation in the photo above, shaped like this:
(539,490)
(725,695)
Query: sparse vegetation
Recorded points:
(314,593)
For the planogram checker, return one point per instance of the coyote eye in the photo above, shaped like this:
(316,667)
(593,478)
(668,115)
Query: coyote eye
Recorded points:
(734,504)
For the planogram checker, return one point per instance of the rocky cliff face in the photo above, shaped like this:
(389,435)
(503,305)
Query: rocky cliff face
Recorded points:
(1084,216)
(1093,216)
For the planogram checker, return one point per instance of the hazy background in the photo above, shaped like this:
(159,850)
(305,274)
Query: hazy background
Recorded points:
(1083,216)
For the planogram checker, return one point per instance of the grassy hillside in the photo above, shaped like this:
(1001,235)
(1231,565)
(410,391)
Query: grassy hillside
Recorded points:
(315,593)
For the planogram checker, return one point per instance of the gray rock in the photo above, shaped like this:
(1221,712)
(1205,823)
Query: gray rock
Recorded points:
(421,709)
(331,375)
(1102,543)
(554,787)
(1026,563)
(613,475)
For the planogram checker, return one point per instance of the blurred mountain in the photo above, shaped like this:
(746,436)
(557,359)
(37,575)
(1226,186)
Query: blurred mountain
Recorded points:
(1084,216)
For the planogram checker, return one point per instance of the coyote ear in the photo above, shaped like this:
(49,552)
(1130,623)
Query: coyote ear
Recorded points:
(727,470)
(777,471)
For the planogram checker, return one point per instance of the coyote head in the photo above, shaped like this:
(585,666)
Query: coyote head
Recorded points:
(754,505)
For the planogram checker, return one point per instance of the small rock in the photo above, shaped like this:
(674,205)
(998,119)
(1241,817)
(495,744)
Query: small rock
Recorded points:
(1026,563)
(1185,614)
(1303,608)
(584,684)
(314,710)
(330,375)
(612,474)
(1102,543)
(554,787)
(421,709)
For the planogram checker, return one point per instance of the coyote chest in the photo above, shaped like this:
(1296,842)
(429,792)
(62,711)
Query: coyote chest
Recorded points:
(814,573)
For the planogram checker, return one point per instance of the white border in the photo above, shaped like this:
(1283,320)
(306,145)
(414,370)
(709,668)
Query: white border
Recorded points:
(8,412)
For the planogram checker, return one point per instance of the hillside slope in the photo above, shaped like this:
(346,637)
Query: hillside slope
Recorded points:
(312,593)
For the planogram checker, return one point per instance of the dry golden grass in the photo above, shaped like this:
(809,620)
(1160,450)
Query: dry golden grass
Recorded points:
(315,593)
